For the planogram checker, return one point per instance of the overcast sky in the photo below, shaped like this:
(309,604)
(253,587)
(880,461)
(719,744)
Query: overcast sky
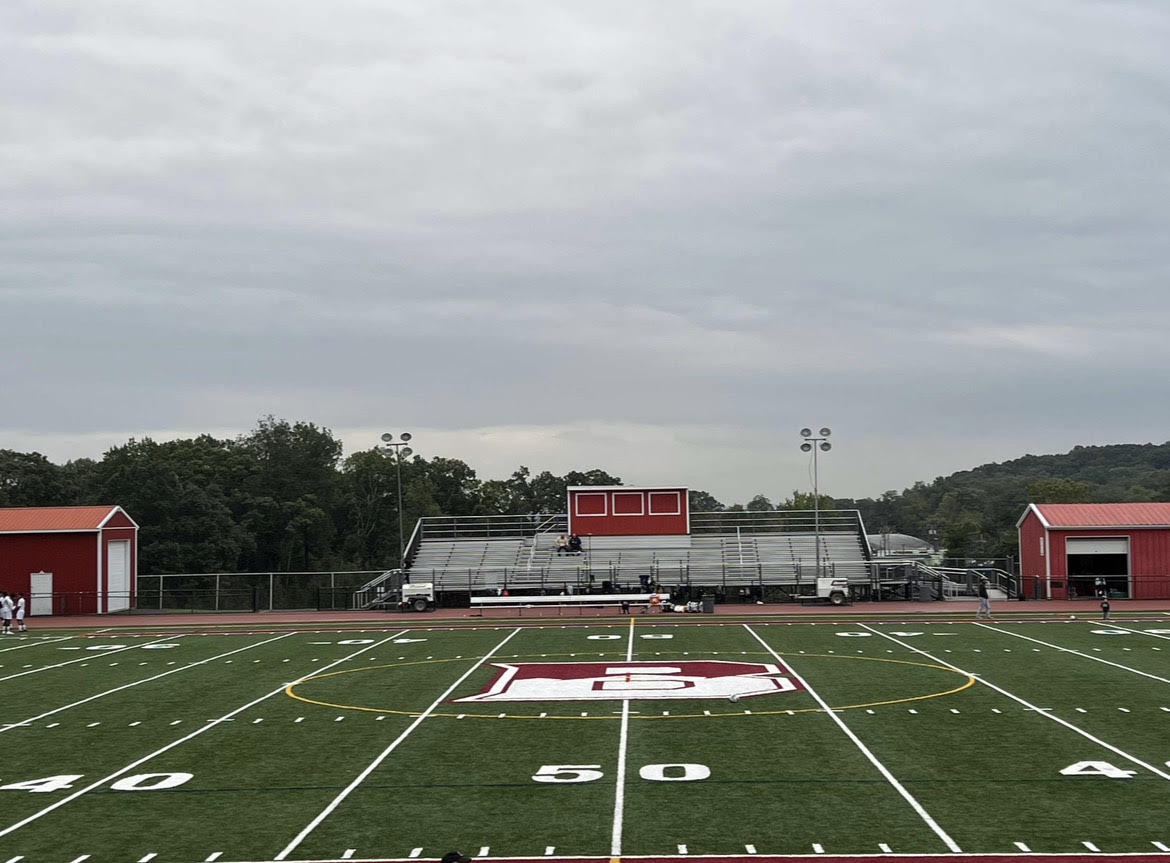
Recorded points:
(652,237)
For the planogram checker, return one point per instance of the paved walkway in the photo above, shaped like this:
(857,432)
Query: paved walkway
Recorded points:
(950,610)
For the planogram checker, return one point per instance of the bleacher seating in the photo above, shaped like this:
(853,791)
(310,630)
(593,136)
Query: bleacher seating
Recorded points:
(769,551)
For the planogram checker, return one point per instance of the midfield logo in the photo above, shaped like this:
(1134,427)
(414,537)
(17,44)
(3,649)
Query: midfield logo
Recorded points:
(602,681)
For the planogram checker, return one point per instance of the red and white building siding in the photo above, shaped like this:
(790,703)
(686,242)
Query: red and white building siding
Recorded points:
(1061,543)
(71,559)
(623,510)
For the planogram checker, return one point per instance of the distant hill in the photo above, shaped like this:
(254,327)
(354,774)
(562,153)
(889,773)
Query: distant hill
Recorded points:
(973,513)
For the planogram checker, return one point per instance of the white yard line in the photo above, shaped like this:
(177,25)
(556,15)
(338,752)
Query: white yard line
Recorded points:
(207,726)
(619,799)
(97,654)
(37,643)
(9,727)
(1074,652)
(1113,625)
(1047,714)
(873,759)
(345,792)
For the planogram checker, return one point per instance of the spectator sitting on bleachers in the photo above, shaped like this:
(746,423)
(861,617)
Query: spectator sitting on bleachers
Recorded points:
(562,545)
(574,544)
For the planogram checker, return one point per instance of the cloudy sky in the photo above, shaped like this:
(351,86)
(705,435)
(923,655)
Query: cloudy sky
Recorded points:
(654,237)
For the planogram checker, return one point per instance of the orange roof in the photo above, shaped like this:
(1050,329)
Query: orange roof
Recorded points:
(33,519)
(1070,515)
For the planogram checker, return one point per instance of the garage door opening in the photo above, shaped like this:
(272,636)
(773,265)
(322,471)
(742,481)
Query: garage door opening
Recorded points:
(1098,564)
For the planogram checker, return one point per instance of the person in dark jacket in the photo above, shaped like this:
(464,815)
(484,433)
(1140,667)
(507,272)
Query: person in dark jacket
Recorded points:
(984,600)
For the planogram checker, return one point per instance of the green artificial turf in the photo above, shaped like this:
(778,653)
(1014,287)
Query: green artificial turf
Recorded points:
(370,755)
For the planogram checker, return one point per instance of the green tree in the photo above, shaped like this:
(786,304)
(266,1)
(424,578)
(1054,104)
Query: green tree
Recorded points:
(1059,491)
(30,479)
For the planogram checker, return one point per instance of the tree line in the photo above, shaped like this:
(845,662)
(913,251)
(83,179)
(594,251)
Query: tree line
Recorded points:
(281,498)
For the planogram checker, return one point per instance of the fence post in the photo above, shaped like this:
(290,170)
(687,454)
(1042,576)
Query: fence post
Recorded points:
(271,584)
(217,591)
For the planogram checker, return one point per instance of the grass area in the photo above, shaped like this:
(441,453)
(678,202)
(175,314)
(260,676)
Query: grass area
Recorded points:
(589,738)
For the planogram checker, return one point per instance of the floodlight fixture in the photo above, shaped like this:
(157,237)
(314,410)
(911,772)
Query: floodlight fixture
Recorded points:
(813,444)
(401,451)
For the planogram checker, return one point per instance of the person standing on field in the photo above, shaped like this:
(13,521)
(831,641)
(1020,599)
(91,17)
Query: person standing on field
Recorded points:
(1105,607)
(6,612)
(20,613)
(984,600)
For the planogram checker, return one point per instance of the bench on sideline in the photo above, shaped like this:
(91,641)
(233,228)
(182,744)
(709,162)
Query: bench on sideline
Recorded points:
(579,601)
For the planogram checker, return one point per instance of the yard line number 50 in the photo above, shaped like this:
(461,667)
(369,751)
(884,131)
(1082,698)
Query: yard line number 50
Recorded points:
(565,774)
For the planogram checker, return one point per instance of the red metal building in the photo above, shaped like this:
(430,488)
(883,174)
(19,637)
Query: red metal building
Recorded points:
(1070,550)
(622,510)
(69,559)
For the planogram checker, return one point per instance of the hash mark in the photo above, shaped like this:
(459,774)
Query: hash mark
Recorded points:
(1023,847)
(176,722)
(299,719)
(682,849)
(93,725)
(16,858)
(52,725)
(885,849)
(379,717)
(79,859)
(483,852)
(348,853)
(818,848)
(213,856)
(750,849)
(1161,846)
(339,718)
(1082,710)
(1124,709)
(414,852)
(549,849)
(132,724)
(912,710)
(258,720)
(145,859)
(1090,846)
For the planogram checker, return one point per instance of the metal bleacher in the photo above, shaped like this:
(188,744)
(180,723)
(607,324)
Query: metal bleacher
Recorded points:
(480,554)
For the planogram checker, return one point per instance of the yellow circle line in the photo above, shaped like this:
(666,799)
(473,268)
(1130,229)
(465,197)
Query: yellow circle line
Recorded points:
(289,690)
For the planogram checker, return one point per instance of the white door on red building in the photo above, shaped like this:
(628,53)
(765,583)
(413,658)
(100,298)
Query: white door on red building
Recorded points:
(40,593)
(118,561)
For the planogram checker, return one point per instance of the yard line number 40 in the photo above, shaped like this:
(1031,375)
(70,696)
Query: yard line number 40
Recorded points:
(138,782)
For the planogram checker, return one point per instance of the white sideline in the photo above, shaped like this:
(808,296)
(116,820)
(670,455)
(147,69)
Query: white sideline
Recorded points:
(214,723)
(873,759)
(1047,714)
(619,800)
(10,726)
(97,654)
(37,643)
(345,792)
(1076,652)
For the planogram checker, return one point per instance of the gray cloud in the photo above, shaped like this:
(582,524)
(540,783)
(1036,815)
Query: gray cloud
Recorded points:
(663,235)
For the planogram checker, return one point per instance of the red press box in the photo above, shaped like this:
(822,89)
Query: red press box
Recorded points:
(622,510)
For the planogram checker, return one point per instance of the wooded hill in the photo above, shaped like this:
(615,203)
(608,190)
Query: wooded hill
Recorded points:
(281,498)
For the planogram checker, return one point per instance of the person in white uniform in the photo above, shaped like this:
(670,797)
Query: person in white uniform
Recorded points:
(6,612)
(20,605)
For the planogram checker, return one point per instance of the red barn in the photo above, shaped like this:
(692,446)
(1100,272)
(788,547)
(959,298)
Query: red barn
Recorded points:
(623,510)
(69,559)
(1070,550)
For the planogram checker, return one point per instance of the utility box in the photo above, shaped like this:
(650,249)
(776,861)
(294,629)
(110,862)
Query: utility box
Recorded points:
(708,603)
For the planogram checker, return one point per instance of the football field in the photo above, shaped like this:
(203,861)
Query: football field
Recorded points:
(635,737)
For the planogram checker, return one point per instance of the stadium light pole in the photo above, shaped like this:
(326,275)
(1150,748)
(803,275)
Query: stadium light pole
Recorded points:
(400,450)
(812,443)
